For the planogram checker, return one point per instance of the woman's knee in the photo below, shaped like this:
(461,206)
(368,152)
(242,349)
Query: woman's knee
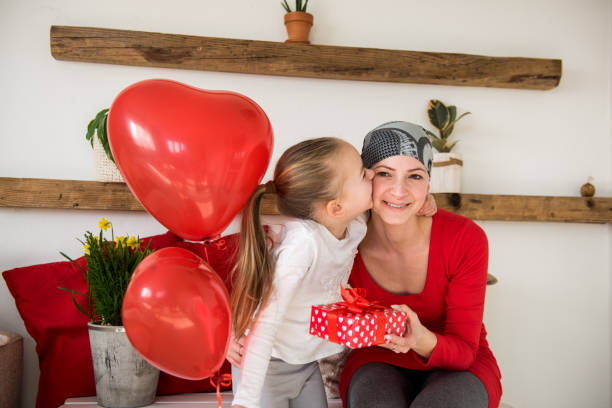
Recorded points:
(380,385)
(452,389)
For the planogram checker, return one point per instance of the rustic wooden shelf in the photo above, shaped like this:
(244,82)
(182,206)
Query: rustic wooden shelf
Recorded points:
(95,195)
(123,47)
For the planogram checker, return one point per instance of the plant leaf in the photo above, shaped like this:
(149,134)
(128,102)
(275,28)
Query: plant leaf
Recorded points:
(107,148)
(431,113)
(91,128)
(449,146)
(305,5)
(443,118)
(452,111)
(81,309)
(451,125)
(286,6)
(439,145)
(77,265)
(431,134)
(72,291)
(438,115)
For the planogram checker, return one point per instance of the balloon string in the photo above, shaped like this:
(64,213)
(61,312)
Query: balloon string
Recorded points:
(219,380)
(216,241)
(206,254)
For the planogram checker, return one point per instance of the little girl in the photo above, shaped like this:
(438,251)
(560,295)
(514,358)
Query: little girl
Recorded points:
(322,185)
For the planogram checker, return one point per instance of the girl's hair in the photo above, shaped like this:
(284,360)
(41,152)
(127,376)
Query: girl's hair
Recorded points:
(303,176)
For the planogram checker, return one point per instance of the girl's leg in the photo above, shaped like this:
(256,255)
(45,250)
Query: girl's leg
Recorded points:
(312,394)
(284,382)
(382,385)
(452,389)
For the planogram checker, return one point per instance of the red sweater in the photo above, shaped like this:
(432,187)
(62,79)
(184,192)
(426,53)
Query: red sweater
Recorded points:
(451,305)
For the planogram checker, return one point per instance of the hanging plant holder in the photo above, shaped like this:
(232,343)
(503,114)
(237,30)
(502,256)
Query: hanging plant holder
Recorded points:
(446,173)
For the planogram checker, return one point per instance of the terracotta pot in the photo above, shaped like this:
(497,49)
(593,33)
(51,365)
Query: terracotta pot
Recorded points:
(298,25)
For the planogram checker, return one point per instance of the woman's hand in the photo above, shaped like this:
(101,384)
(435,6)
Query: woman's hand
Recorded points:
(429,207)
(234,351)
(417,337)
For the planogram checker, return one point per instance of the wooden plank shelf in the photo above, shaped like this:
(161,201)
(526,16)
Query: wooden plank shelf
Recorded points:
(123,47)
(95,195)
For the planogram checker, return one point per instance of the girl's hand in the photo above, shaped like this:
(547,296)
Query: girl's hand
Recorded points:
(417,337)
(429,207)
(235,350)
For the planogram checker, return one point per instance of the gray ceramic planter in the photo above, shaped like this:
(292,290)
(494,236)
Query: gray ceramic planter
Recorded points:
(123,378)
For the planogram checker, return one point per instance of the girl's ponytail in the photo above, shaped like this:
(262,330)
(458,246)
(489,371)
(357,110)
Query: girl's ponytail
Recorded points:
(254,269)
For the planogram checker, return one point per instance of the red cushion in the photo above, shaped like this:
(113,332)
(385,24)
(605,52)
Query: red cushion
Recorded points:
(60,330)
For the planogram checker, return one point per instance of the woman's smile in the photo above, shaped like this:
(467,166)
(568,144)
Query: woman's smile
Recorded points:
(395,205)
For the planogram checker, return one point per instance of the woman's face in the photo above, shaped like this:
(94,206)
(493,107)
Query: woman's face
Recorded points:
(399,188)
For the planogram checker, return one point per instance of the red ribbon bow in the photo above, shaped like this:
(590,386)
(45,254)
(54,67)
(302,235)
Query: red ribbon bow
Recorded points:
(355,301)
(220,380)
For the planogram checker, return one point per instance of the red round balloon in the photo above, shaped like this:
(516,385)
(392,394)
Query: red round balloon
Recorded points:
(191,157)
(176,313)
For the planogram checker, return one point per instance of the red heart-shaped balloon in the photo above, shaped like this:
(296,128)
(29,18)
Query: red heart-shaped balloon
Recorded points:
(191,157)
(176,313)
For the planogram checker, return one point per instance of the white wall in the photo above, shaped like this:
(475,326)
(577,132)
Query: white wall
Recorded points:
(549,318)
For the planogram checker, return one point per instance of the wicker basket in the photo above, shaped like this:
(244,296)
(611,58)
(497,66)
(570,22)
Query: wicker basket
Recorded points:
(105,169)
(11,368)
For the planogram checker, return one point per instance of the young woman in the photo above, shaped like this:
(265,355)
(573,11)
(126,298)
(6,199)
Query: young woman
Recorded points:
(435,269)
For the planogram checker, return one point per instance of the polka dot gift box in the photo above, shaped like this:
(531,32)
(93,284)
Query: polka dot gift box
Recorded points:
(356,322)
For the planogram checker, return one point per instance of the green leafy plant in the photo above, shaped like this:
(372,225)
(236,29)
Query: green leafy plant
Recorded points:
(443,118)
(299,5)
(110,265)
(97,127)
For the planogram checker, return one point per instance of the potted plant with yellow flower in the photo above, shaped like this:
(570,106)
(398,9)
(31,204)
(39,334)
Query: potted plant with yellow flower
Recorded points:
(123,377)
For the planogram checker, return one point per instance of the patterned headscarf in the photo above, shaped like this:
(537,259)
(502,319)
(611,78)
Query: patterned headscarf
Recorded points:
(397,139)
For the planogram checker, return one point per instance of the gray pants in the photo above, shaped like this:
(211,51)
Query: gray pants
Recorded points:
(290,385)
(382,385)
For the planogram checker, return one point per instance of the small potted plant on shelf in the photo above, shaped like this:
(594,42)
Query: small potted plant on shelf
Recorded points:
(298,22)
(446,170)
(104,162)
(123,377)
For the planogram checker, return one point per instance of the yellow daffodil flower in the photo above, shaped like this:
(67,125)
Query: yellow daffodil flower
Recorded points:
(86,246)
(120,241)
(132,242)
(104,224)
